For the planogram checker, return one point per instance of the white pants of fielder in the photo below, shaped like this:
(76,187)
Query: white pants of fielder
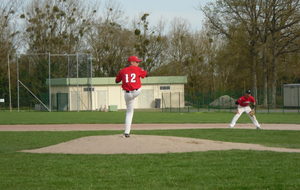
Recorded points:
(129,99)
(240,111)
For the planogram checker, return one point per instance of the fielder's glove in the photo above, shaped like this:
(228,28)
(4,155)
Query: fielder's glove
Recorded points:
(252,113)
(252,106)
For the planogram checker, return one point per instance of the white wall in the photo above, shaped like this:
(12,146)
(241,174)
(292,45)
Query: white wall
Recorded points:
(103,96)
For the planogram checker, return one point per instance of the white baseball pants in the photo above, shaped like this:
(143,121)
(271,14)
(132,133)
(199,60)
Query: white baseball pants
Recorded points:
(240,111)
(129,99)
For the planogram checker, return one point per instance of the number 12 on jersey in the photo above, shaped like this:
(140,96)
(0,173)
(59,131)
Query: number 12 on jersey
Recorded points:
(130,78)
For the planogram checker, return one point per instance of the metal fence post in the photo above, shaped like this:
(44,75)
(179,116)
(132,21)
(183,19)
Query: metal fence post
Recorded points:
(91,72)
(9,86)
(18,85)
(282,98)
(208,101)
(170,102)
(230,103)
(298,99)
(179,101)
(162,100)
(77,74)
(268,104)
(199,105)
(49,62)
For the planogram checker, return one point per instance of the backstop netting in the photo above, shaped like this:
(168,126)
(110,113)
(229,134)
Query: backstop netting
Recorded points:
(38,86)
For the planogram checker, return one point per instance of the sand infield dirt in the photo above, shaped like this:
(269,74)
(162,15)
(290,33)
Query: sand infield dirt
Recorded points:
(96,127)
(143,144)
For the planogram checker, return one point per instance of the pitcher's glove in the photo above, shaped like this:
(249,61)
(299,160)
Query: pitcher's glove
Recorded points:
(252,113)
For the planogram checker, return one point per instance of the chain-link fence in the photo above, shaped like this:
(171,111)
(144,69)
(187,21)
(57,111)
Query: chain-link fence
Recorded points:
(33,77)
(287,100)
(34,74)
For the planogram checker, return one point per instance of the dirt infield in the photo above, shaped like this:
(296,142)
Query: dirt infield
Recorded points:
(141,144)
(96,127)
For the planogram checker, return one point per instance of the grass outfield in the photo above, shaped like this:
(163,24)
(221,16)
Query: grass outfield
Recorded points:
(234,170)
(139,117)
(222,170)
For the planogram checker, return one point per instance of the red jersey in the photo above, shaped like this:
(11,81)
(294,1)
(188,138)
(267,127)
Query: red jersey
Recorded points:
(130,77)
(244,101)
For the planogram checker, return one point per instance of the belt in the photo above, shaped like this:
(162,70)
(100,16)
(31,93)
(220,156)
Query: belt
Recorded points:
(127,91)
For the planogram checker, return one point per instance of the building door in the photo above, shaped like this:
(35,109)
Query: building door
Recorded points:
(101,102)
(75,101)
(62,101)
(146,99)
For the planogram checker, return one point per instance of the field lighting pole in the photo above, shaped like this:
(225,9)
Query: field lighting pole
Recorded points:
(18,85)
(90,59)
(9,86)
(49,67)
(68,66)
(77,74)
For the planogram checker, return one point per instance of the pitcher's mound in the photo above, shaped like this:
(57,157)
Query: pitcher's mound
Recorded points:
(142,144)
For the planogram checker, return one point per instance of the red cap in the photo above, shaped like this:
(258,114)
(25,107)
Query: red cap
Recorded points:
(134,59)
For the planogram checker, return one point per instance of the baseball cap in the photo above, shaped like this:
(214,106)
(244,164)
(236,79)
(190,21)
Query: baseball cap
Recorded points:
(134,59)
(248,92)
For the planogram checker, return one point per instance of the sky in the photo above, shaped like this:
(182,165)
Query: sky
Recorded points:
(166,10)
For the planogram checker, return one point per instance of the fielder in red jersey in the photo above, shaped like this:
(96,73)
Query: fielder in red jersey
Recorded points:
(131,84)
(246,100)
(244,103)
(131,77)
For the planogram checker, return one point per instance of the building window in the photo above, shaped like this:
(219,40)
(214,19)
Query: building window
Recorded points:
(88,89)
(164,87)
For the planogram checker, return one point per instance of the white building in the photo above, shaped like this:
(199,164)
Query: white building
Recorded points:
(75,94)
(291,94)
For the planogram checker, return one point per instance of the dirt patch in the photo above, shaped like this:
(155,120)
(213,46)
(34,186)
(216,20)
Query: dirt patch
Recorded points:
(96,127)
(143,144)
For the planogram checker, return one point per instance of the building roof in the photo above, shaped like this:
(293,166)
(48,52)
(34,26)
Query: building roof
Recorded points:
(291,85)
(104,81)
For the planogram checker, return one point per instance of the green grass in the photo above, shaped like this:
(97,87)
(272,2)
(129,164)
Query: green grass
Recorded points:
(139,117)
(212,170)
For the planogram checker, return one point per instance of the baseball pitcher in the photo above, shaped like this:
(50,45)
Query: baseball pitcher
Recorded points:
(131,84)
(244,104)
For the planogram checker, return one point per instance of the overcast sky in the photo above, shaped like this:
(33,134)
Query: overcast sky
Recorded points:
(166,10)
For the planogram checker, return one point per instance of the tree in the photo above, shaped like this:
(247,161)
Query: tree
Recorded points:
(282,22)
(230,68)
(271,30)
(110,43)
(228,17)
(187,54)
(150,44)
(56,26)
(8,41)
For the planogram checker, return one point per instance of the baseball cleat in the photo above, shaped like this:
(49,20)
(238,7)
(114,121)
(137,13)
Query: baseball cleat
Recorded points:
(126,135)
(258,128)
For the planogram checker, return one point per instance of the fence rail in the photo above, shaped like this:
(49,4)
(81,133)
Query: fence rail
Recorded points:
(287,101)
